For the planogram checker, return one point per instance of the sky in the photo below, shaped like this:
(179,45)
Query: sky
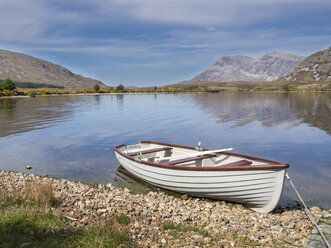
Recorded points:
(158,42)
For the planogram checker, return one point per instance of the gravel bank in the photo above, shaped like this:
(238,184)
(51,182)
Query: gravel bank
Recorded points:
(198,222)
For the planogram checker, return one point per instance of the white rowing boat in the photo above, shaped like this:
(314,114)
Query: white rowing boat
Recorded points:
(217,174)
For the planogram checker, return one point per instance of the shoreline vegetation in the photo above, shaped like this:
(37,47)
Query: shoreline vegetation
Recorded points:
(30,217)
(8,88)
(40,211)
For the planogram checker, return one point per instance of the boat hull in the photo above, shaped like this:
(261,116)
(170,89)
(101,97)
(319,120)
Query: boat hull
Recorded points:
(256,188)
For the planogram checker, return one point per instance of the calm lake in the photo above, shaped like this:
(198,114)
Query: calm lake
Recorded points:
(73,136)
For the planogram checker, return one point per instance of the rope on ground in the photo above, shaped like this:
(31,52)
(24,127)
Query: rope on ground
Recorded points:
(311,218)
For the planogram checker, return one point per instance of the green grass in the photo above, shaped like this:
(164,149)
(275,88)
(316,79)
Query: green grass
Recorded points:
(122,219)
(169,226)
(25,222)
(180,228)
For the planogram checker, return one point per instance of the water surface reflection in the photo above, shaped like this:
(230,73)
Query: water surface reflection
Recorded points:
(270,110)
(73,136)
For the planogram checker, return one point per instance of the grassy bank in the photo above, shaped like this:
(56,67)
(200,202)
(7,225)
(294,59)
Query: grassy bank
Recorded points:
(32,220)
(66,92)
(183,88)
(7,93)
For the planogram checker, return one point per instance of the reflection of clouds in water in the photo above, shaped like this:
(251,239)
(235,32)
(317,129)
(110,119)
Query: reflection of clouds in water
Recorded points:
(269,110)
(242,109)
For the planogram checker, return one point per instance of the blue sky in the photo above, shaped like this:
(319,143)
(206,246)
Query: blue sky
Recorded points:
(157,42)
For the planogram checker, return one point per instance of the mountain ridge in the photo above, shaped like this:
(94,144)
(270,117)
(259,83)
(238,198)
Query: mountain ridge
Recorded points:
(267,67)
(316,68)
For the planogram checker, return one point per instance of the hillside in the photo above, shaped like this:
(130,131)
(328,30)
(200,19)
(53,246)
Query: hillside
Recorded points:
(314,69)
(24,68)
(268,67)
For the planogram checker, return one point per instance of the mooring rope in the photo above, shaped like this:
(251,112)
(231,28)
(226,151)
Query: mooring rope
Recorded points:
(311,218)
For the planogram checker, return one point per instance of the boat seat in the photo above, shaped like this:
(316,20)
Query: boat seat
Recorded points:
(184,160)
(237,163)
(166,148)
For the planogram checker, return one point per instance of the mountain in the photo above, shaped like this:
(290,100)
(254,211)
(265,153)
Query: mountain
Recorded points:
(268,67)
(314,69)
(24,68)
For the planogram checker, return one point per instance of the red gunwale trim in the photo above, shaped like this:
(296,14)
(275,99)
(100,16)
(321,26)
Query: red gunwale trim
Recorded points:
(119,146)
(276,165)
(238,163)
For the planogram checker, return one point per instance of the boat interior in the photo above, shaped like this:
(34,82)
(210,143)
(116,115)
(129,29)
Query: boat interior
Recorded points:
(181,156)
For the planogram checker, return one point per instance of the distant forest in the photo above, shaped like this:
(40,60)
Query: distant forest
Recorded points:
(29,85)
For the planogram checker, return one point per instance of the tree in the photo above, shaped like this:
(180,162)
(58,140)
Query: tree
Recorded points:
(7,84)
(96,87)
(286,87)
(120,87)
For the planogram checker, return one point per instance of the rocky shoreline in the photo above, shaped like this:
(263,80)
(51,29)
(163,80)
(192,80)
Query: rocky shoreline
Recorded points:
(194,222)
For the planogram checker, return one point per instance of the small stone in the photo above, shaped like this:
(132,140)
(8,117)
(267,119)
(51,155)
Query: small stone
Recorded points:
(25,244)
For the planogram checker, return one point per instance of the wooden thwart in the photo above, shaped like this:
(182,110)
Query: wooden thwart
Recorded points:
(150,151)
(184,160)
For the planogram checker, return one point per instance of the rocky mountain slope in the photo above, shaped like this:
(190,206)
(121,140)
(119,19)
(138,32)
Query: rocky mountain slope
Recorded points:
(24,68)
(314,69)
(268,67)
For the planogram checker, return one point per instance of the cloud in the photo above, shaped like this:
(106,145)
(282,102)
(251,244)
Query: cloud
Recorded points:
(21,20)
(211,29)
(210,12)
(26,20)
(181,36)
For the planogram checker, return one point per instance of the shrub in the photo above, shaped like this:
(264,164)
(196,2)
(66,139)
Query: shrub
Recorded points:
(7,84)
(286,87)
(96,87)
(44,92)
(120,87)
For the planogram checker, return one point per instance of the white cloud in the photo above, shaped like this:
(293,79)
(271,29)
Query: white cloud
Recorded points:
(25,20)
(211,29)
(207,12)
(21,19)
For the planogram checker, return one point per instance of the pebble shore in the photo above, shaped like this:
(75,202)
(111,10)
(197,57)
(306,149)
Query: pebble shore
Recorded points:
(212,223)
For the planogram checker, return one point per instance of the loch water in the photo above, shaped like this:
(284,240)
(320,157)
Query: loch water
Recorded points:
(73,136)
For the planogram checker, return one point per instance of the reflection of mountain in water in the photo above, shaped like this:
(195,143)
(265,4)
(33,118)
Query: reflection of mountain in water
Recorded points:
(18,115)
(269,109)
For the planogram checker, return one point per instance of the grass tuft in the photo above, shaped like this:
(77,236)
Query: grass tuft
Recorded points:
(122,219)
(41,193)
(169,226)
(180,228)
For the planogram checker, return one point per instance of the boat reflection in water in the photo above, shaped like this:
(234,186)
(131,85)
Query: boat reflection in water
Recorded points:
(123,179)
